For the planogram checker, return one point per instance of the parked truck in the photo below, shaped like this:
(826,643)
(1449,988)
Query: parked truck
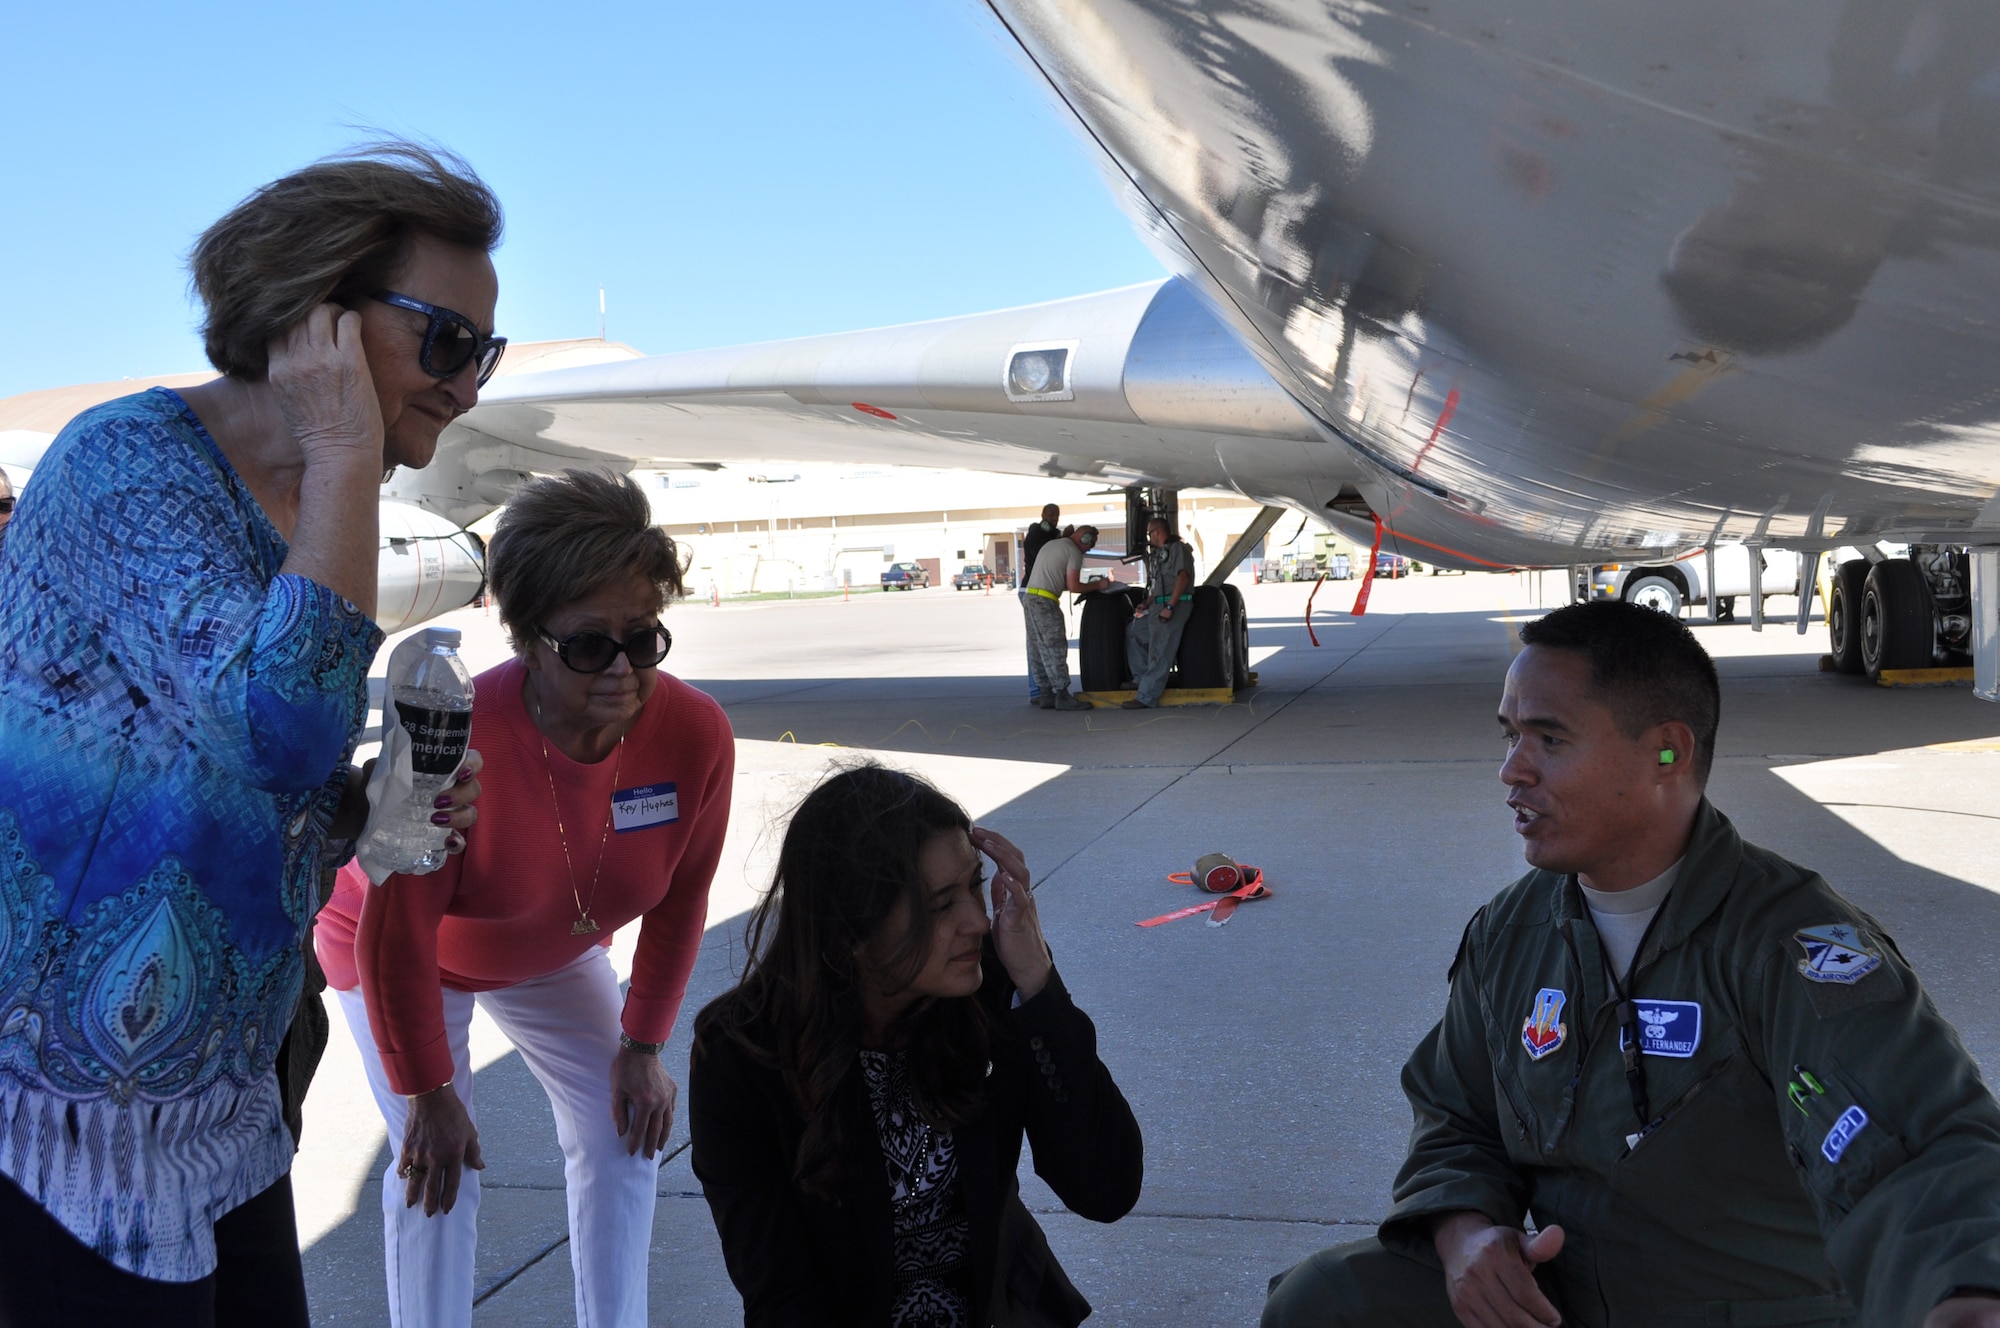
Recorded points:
(1671,586)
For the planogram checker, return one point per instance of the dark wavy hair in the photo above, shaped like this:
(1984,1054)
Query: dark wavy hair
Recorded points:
(849,857)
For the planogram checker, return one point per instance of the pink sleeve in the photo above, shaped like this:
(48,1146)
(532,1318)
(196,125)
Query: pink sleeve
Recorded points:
(670,933)
(395,950)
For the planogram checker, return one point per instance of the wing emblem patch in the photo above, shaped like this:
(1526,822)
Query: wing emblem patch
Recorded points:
(1543,1031)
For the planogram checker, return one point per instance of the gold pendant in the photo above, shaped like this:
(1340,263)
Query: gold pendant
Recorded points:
(583,926)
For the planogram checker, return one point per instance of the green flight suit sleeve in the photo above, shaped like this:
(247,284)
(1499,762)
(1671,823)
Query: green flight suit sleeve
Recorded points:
(1893,1133)
(1457,1160)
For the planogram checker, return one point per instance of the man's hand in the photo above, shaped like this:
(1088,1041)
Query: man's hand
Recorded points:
(1973,1311)
(1489,1272)
(1166,613)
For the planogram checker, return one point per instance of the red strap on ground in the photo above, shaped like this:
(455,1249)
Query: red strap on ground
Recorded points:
(1309,608)
(1253,887)
(1368,573)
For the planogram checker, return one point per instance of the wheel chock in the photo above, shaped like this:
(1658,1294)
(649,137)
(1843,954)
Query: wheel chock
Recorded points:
(1173,696)
(1924,677)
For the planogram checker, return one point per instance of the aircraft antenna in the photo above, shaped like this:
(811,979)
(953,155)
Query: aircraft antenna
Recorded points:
(600,313)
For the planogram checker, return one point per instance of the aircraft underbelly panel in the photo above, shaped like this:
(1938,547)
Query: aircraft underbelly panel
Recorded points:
(1583,274)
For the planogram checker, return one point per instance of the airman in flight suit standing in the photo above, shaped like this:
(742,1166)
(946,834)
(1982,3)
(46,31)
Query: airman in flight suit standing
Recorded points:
(1715,1085)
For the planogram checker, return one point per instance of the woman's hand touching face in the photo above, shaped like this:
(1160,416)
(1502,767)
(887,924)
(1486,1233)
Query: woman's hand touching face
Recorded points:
(1017,927)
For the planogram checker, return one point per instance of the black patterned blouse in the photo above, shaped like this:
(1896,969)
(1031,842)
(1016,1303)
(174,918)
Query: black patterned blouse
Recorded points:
(932,1234)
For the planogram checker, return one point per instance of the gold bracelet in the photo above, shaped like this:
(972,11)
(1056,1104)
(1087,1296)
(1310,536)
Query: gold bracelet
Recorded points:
(428,1091)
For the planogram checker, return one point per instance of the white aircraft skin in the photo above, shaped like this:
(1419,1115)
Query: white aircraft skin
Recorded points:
(1602,276)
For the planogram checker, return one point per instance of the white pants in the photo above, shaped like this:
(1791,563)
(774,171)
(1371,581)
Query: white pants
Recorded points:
(565,1025)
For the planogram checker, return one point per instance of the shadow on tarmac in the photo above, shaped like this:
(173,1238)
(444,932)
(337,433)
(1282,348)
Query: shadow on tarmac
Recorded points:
(1262,1058)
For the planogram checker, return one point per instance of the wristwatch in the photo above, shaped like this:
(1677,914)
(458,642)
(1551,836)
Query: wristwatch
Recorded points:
(629,1043)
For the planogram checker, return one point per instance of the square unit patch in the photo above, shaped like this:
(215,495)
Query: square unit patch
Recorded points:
(1667,1028)
(1834,953)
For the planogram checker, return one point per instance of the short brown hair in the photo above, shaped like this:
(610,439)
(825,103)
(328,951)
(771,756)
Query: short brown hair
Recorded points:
(341,224)
(562,538)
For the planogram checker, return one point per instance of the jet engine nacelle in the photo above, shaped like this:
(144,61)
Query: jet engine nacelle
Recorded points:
(428,566)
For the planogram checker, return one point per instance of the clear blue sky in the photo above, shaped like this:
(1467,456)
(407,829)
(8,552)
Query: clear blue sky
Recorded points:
(730,172)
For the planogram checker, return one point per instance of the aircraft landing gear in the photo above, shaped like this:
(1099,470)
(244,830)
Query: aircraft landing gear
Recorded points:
(1902,613)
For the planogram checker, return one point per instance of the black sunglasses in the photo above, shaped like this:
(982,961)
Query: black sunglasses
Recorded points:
(6,506)
(592,652)
(451,341)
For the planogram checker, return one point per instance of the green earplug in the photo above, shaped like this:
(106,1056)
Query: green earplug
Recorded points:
(1666,756)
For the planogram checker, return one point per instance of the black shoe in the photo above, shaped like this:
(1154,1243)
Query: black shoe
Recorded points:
(1134,704)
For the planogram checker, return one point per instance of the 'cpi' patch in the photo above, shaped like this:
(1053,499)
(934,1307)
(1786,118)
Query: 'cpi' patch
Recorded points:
(1543,1031)
(1851,1122)
(1667,1028)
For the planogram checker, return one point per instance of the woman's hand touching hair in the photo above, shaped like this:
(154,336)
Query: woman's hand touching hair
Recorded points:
(325,390)
(1017,927)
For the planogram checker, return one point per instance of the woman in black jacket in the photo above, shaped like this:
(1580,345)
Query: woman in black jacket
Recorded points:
(858,1099)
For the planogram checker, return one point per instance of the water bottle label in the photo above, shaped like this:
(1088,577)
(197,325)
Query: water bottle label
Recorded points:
(438,738)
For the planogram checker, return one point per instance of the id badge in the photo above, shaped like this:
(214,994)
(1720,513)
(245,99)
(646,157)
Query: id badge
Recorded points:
(644,807)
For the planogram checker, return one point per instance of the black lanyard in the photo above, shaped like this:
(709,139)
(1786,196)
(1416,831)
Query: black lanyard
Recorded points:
(1628,1022)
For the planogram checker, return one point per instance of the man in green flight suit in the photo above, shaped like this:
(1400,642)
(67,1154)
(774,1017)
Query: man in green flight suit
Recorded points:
(1153,637)
(1714,1083)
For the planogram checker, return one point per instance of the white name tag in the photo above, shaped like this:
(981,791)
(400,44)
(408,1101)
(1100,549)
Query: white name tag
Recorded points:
(647,805)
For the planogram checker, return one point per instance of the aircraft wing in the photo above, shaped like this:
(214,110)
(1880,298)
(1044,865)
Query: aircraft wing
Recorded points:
(1131,386)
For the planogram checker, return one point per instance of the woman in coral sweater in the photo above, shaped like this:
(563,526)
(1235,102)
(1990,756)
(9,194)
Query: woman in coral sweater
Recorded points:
(606,798)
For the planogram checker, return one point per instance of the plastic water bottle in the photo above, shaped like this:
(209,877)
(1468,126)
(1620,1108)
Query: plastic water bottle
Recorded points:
(430,695)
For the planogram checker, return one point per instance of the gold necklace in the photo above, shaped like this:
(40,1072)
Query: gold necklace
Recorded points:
(584,924)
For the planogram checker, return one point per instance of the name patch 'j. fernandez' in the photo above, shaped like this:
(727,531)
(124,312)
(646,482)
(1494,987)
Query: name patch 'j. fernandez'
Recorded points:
(645,806)
(1667,1028)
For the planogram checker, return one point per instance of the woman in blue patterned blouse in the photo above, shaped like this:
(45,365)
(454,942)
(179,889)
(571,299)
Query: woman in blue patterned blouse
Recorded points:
(185,635)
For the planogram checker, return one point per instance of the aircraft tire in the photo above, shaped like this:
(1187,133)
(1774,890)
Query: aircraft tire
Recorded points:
(1843,615)
(1897,631)
(1656,593)
(1100,640)
(1240,618)
(1208,648)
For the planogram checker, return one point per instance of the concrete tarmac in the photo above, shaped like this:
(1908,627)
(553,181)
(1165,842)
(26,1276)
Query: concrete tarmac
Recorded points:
(1261,1057)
